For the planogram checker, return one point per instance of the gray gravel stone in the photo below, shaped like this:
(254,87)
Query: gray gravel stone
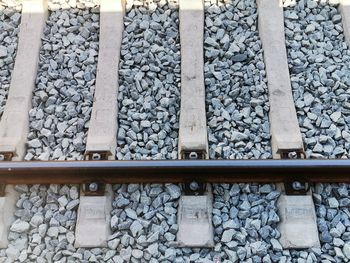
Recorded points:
(235,80)
(144,216)
(149,84)
(135,228)
(19,226)
(9,28)
(346,250)
(333,202)
(66,76)
(12,5)
(332,223)
(318,61)
(174,191)
(3,51)
(55,5)
(227,235)
(248,233)
(44,230)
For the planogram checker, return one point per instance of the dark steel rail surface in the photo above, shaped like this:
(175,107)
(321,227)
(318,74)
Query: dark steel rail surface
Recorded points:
(175,171)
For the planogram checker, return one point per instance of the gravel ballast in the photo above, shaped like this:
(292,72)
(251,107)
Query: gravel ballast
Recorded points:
(319,58)
(333,220)
(10,19)
(63,96)
(13,4)
(149,84)
(44,227)
(144,226)
(245,218)
(55,5)
(145,220)
(235,79)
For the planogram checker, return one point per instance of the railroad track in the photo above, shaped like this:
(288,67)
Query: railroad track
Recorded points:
(174,131)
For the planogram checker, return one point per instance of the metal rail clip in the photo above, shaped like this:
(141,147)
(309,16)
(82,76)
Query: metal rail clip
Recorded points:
(193,155)
(97,156)
(6,156)
(294,187)
(292,153)
(194,187)
(94,189)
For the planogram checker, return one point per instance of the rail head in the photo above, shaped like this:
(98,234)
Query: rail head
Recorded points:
(175,171)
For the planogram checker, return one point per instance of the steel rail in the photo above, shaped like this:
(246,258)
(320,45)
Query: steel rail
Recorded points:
(175,171)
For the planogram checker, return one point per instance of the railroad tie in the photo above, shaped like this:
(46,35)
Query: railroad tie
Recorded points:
(194,212)
(101,138)
(14,124)
(298,224)
(344,9)
(193,136)
(227,205)
(93,227)
(284,127)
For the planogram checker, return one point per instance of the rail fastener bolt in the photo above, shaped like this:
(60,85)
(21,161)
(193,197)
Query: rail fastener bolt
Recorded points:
(193,156)
(96,156)
(297,186)
(93,187)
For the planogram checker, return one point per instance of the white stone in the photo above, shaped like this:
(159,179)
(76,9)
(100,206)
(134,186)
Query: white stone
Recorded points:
(53,232)
(37,220)
(227,235)
(335,116)
(276,245)
(12,253)
(136,253)
(232,255)
(3,51)
(20,226)
(346,250)
(135,228)
(62,201)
